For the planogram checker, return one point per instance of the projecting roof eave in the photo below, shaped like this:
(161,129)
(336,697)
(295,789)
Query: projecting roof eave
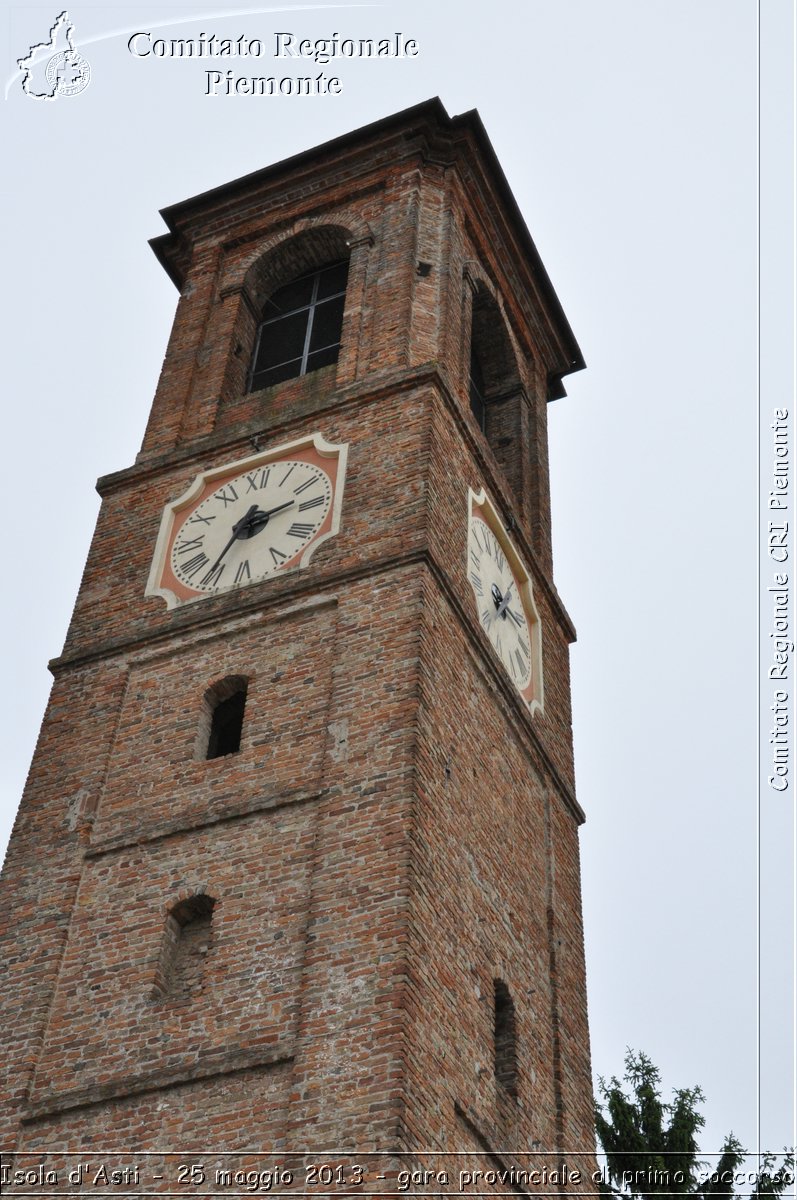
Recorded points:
(572,358)
(171,249)
(163,249)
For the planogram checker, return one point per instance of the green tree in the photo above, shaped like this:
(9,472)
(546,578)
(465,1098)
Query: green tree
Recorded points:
(651,1145)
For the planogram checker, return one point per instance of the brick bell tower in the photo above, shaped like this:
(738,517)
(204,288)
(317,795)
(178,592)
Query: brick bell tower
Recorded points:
(297,862)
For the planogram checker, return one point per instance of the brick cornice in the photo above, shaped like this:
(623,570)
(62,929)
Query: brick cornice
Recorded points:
(51,1104)
(233,812)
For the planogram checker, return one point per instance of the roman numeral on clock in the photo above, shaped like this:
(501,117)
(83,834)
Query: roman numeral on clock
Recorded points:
(477,583)
(243,572)
(213,576)
(194,565)
(198,518)
(227,495)
(300,530)
(257,481)
(277,556)
(192,544)
(311,503)
(297,491)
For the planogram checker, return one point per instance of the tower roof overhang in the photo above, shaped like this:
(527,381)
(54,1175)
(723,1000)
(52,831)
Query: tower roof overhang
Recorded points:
(461,134)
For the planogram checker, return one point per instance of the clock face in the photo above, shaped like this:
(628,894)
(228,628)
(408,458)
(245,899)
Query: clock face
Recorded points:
(500,606)
(502,591)
(252,525)
(248,521)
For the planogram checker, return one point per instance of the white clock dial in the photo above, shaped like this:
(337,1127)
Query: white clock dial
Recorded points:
(500,603)
(251,525)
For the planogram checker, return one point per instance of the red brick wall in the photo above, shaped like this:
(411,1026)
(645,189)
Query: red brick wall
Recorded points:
(396,831)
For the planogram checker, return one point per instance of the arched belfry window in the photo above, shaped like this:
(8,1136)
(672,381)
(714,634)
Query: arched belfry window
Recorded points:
(223,718)
(505,1039)
(299,291)
(301,326)
(478,403)
(494,385)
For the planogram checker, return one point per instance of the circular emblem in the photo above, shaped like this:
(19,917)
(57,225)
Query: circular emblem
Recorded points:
(69,72)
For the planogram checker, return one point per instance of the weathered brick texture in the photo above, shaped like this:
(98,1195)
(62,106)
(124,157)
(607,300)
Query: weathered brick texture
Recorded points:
(396,832)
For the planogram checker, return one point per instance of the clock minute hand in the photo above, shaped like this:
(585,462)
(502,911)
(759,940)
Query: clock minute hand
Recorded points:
(253,520)
(237,529)
(270,512)
(257,518)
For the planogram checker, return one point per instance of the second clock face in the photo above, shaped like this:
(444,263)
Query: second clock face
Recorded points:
(502,589)
(251,525)
(501,609)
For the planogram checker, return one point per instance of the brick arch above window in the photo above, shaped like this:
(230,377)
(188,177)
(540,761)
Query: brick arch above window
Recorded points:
(262,269)
(299,255)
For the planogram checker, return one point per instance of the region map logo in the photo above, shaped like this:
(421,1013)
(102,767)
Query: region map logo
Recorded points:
(55,68)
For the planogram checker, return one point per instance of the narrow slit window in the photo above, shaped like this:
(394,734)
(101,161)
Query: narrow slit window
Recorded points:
(505,1039)
(226,726)
(223,720)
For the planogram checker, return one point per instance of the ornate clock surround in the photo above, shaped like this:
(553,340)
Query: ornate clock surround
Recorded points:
(481,508)
(314,450)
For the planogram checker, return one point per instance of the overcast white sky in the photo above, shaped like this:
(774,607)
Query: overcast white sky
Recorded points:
(627,130)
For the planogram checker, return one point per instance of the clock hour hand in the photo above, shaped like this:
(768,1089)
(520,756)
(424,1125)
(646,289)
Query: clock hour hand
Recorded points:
(237,532)
(253,520)
(502,607)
